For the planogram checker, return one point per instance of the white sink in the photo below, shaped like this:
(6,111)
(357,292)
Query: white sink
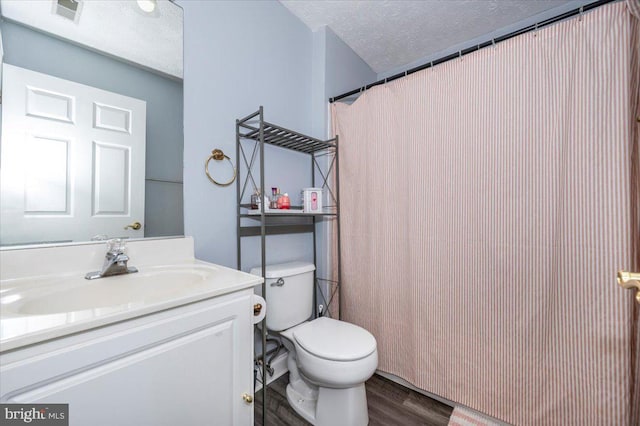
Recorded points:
(72,293)
(44,295)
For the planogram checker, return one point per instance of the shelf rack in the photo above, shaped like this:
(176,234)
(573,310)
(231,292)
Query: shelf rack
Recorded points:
(252,134)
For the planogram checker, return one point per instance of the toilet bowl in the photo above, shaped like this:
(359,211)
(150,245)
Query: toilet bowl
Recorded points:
(329,360)
(334,353)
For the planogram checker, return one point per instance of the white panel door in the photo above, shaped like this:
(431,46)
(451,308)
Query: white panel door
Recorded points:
(72,160)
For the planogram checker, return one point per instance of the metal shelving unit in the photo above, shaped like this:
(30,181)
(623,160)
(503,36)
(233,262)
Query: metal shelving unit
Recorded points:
(252,134)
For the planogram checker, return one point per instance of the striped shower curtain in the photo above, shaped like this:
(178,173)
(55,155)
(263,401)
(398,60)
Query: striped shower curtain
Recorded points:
(487,204)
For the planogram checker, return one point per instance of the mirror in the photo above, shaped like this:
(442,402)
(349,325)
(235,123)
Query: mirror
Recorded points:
(92,143)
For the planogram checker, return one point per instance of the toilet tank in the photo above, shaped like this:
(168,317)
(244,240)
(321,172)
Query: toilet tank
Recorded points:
(289,293)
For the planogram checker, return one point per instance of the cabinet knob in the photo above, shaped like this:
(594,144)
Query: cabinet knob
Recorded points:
(247,398)
(256,309)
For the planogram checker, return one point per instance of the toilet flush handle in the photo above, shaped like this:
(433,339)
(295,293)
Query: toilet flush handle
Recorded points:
(278,283)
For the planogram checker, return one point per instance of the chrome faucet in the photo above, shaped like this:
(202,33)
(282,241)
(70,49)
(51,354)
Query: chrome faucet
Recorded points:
(115,261)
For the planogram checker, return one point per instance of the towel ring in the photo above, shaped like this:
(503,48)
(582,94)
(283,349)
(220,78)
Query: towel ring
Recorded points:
(218,155)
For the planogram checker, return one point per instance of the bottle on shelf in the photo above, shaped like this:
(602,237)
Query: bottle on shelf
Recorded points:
(257,199)
(284,202)
(275,194)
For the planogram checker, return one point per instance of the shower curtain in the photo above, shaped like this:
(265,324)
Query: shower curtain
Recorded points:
(486,206)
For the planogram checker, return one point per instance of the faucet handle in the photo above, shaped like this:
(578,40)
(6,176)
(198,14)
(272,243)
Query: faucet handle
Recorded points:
(116,245)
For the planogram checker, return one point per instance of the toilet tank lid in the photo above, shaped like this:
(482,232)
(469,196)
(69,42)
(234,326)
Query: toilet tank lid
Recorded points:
(335,340)
(285,269)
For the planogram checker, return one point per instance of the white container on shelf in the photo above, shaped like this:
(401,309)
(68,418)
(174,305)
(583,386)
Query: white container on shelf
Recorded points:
(312,200)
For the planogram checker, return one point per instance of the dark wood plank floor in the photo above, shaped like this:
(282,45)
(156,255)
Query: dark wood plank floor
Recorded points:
(389,404)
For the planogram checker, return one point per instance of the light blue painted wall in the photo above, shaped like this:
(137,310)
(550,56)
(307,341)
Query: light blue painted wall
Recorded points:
(39,52)
(319,84)
(238,56)
(337,69)
(345,70)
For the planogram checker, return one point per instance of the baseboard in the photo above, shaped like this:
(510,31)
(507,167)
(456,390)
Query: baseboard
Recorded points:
(279,365)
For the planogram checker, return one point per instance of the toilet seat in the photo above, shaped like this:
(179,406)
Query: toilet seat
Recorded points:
(341,355)
(335,340)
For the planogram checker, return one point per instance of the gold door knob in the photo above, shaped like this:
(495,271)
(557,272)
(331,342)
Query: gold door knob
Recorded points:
(247,398)
(630,280)
(135,226)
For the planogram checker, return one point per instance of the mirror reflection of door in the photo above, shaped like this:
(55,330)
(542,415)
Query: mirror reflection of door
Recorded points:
(73,160)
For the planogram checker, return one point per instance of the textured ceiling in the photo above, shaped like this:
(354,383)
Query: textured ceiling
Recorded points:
(116,27)
(389,34)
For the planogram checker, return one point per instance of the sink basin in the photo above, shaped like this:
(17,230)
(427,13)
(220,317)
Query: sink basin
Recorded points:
(44,295)
(65,294)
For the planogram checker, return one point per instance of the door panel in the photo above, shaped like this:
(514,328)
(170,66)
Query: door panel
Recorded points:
(47,185)
(73,160)
(110,179)
(50,105)
(111,118)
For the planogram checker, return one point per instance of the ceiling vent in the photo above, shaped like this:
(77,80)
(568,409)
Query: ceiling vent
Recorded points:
(69,9)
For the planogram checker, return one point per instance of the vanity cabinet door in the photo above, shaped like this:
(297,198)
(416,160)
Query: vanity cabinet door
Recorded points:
(196,375)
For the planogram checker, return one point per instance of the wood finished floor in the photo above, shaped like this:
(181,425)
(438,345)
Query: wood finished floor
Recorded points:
(389,404)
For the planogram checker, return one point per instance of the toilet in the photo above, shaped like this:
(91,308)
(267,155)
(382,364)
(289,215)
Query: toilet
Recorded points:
(329,360)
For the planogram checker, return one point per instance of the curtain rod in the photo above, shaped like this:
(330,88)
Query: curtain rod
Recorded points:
(487,43)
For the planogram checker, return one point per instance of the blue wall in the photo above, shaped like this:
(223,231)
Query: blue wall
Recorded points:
(345,69)
(39,52)
(337,69)
(238,56)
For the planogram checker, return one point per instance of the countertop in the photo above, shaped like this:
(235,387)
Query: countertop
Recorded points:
(20,327)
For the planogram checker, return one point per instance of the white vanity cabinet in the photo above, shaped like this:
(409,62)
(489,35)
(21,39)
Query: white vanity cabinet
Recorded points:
(188,365)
